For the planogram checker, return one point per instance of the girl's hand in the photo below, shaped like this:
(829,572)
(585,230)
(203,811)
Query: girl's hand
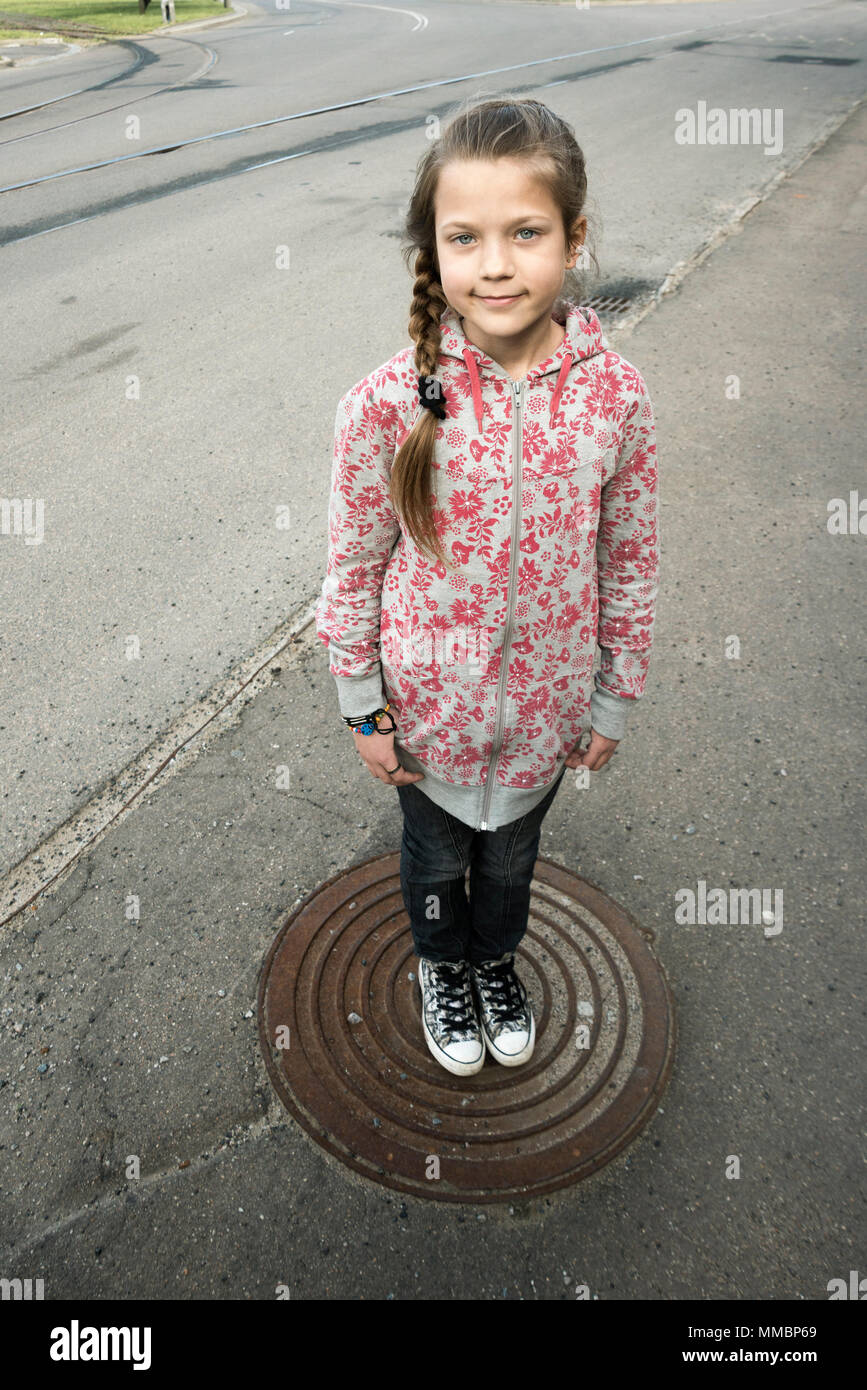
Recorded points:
(594,756)
(378,755)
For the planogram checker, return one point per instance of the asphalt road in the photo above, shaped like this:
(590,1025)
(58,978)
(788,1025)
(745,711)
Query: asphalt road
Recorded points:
(160,526)
(167,387)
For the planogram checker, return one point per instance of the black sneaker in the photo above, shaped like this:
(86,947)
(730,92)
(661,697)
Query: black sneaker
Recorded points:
(505,1011)
(448,1016)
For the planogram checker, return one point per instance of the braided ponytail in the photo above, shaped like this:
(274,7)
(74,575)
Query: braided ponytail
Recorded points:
(411,470)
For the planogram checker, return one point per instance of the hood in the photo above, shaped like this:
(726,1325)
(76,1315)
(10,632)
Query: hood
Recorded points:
(584,338)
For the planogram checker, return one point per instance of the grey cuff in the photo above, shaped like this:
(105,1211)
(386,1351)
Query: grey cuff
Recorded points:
(358,695)
(609,713)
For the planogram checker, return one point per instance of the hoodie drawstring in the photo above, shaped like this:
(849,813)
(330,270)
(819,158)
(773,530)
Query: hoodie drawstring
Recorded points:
(475,385)
(561,380)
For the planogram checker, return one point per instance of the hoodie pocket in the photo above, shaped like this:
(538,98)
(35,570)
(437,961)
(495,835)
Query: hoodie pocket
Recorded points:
(563,485)
(581,472)
(569,453)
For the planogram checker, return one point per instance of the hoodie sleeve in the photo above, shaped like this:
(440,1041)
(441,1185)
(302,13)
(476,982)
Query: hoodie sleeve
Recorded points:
(362,532)
(627,555)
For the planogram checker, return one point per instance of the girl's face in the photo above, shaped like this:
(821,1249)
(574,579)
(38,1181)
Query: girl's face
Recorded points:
(499,235)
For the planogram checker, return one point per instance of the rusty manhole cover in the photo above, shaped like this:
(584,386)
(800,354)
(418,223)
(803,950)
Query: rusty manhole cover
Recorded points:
(340,1027)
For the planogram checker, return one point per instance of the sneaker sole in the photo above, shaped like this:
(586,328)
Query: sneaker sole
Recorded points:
(449,1063)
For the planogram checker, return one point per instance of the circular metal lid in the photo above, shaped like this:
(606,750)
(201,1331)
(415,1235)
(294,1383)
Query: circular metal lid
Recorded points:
(340,1028)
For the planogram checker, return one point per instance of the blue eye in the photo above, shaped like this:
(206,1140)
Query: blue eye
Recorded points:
(531,230)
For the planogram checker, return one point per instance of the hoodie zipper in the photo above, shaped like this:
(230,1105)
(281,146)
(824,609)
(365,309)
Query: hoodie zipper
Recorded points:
(517,452)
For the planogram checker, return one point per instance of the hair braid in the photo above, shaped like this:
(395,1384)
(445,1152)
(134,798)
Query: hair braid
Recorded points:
(410,474)
(428,302)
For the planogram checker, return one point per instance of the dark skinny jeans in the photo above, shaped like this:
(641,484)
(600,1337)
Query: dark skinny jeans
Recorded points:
(435,851)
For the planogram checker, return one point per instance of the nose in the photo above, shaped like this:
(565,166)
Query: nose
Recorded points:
(496,261)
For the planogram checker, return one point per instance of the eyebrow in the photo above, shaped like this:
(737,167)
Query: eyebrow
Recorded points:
(518,221)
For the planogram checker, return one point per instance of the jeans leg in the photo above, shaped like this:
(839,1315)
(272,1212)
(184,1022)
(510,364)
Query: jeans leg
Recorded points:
(434,854)
(501,872)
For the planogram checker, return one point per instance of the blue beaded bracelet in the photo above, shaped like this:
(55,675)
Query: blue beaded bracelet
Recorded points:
(369,723)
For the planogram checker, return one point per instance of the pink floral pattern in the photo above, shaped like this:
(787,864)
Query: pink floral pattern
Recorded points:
(585,571)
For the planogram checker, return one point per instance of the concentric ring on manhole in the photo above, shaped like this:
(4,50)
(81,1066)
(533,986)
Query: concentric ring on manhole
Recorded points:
(371,1093)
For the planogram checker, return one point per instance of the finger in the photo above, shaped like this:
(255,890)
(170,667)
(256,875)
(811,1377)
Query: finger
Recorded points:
(398,778)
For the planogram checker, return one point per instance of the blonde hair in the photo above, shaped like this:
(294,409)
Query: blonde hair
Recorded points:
(489,129)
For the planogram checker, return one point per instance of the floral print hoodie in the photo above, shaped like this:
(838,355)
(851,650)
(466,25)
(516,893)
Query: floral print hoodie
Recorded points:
(545,503)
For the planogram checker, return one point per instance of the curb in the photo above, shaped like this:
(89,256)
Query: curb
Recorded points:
(6,62)
(237,12)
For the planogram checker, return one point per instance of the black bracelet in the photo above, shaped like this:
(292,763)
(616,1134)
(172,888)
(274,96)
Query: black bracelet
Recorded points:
(370,723)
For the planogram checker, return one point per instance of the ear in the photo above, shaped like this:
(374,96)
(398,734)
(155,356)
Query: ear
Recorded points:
(576,241)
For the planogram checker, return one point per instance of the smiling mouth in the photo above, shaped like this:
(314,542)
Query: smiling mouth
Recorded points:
(497,297)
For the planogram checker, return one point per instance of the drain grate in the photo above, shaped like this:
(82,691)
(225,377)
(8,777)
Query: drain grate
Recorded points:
(620,295)
(340,1029)
(611,304)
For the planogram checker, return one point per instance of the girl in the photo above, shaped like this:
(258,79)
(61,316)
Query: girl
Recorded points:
(493,518)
